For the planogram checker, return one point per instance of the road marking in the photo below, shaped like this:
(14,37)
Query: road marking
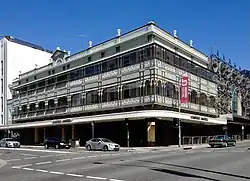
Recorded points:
(45,156)
(30,169)
(29,158)
(43,163)
(78,158)
(34,150)
(92,156)
(16,167)
(57,173)
(44,171)
(24,154)
(12,160)
(74,175)
(28,165)
(115,179)
(63,160)
(97,178)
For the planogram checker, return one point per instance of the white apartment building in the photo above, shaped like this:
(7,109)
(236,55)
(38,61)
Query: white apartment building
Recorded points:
(17,56)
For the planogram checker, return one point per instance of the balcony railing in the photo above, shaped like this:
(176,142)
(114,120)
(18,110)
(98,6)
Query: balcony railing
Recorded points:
(137,101)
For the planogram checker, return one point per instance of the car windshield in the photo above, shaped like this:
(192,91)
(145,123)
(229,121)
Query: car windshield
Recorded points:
(219,137)
(106,140)
(9,139)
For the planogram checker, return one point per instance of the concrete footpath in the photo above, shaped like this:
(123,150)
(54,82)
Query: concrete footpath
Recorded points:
(148,149)
(137,149)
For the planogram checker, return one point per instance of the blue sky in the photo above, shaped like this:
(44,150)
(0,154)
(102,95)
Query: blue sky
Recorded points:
(211,24)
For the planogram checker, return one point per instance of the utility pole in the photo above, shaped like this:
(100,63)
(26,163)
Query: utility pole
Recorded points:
(179,109)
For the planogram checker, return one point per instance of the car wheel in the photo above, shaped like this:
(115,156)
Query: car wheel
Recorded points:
(234,144)
(88,147)
(6,145)
(46,146)
(57,146)
(105,148)
(212,146)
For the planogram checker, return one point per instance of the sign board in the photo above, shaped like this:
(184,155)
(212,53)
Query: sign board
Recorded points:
(61,121)
(184,89)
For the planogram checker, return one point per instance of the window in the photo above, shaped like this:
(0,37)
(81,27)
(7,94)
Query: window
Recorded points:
(53,71)
(89,59)
(27,80)
(68,66)
(64,67)
(76,100)
(102,54)
(49,72)
(117,49)
(34,77)
(62,78)
(2,68)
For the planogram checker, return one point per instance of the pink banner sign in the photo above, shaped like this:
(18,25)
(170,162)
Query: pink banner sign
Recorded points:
(184,89)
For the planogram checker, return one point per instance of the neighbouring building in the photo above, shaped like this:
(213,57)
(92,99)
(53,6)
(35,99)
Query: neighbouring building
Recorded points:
(17,56)
(126,89)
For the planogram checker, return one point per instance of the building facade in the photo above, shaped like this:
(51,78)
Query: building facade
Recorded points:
(17,56)
(233,95)
(126,88)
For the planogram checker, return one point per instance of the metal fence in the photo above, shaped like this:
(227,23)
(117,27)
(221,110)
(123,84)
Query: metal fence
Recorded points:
(197,140)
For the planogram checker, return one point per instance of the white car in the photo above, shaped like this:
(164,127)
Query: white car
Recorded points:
(101,144)
(9,143)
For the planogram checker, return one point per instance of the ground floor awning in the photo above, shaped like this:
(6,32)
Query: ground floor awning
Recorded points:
(160,114)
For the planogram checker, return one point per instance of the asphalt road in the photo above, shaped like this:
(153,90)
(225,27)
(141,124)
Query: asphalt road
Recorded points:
(214,164)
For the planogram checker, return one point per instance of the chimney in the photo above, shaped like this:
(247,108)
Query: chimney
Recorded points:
(175,33)
(191,43)
(90,44)
(118,32)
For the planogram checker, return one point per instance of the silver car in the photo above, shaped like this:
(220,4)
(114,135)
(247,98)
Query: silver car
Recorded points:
(9,143)
(102,144)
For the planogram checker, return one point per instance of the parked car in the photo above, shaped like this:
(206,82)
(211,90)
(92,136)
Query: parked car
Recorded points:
(9,143)
(56,143)
(222,140)
(102,144)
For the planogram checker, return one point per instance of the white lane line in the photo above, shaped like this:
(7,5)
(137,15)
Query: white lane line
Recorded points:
(16,167)
(45,156)
(28,165)
(63,160)
(30,169)
(57,173)
(43,163)
(44,171)
(79,158)
(74,175)
(12,160)
(29,158)
(97,178)
(24,154)
(115,180)
(92,156)
(36,150)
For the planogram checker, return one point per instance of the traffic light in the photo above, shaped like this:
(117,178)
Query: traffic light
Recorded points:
(176,122)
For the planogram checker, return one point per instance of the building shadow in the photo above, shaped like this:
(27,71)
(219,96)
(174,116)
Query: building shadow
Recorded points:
(156,169)
(200,169)
(183,174)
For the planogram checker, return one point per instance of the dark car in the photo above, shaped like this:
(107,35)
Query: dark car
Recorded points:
(56,143)
(222,140)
